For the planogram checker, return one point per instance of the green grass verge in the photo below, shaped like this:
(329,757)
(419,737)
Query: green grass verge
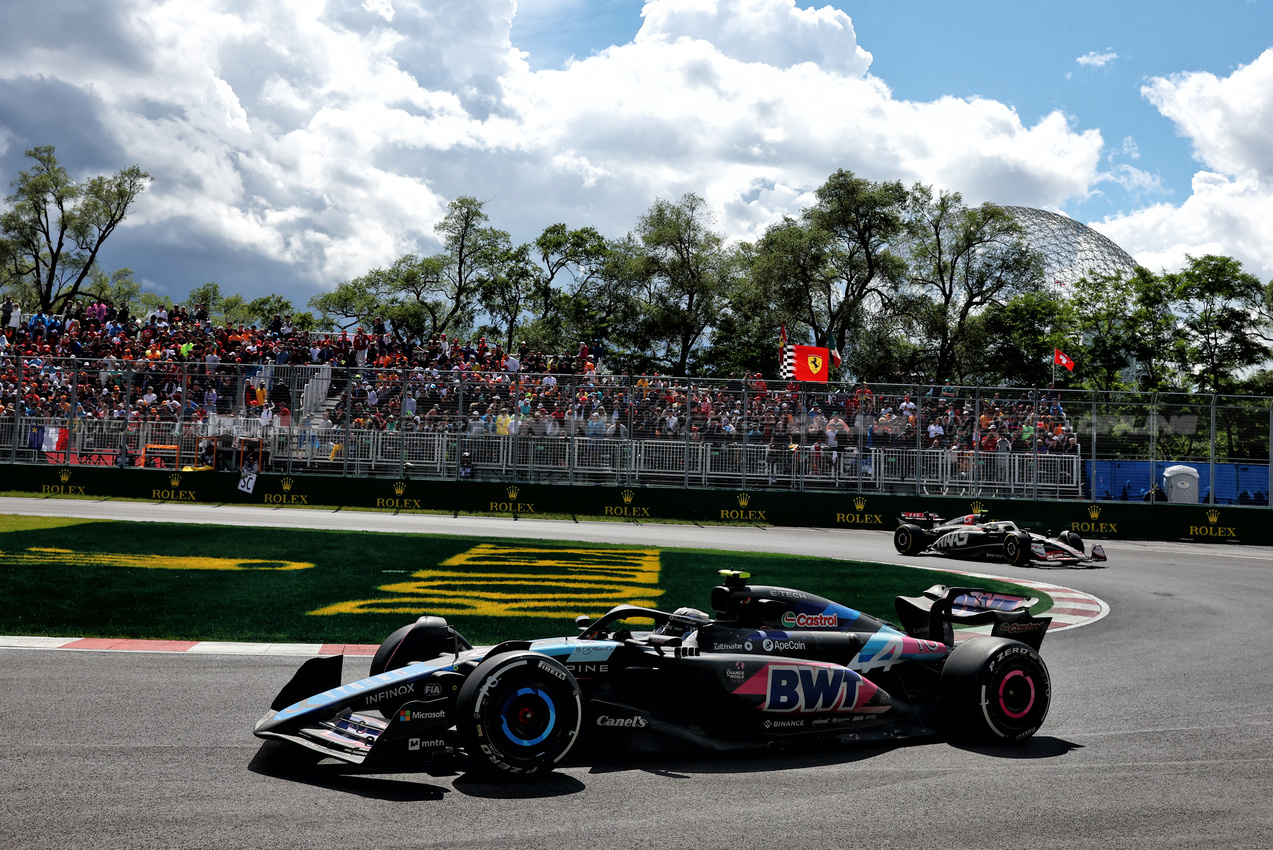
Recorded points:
(152,580)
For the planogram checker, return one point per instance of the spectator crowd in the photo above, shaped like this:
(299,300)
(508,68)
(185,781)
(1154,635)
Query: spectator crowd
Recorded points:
(173,366)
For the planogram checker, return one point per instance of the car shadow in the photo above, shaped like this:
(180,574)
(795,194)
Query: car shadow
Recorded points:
(279,760)
(683,765)
(1038,747)
(282,761)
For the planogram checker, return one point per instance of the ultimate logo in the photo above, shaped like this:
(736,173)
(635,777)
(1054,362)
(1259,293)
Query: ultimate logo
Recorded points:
(860,517)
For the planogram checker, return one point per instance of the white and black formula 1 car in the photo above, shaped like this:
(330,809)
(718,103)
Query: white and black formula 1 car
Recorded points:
(976,537)
(773,667)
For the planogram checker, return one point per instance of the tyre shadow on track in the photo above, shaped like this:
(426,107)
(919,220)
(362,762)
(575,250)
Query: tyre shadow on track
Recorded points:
(283,761)
(684,765)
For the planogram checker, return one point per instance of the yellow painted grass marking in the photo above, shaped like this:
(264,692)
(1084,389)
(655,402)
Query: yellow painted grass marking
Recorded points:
(581,581)
(68,558)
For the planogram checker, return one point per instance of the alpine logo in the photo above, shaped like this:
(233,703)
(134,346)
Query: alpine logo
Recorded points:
(802,689)
(809,621)
(637,722)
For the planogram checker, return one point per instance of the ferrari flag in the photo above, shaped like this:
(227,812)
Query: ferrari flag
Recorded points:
(1060,358)
(811,363)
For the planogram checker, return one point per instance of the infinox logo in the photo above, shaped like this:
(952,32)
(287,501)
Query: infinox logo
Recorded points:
(792,620)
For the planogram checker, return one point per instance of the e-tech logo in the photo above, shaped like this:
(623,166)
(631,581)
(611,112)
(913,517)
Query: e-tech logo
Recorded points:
(799,688)
(792,620)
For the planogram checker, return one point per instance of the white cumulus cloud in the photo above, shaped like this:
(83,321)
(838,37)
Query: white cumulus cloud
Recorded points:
(328,137)
(1228,120)
(1096,60)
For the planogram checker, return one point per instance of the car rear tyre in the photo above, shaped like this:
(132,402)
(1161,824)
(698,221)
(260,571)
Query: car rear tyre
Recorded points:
(995,690)
(518,714)
(380,662)
(1016,549)
(909,539)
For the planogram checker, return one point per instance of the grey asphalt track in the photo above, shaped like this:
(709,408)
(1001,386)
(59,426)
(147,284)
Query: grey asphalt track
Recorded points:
(1160,734)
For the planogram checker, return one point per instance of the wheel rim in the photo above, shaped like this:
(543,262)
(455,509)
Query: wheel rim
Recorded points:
(1016,694)
(903,539)
(1011,548)
(528,716)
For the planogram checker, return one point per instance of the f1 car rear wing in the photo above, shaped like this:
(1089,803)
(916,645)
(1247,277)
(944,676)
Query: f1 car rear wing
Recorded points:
(932,616)
(928,520)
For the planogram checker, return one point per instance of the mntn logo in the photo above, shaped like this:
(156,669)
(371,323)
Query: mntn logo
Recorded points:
(801,689)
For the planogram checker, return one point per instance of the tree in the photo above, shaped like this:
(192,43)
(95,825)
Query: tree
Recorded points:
(420,296)
(837,270)
(962,260)
(1223,318)
(55,227)
(1013,342)
(685,271)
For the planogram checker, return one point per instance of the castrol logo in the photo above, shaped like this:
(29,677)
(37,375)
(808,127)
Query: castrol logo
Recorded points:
(792,620)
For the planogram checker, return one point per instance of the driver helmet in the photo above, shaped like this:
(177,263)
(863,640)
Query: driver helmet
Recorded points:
(682,622)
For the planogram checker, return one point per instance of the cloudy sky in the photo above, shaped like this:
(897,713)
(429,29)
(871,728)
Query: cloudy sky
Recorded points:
(297,143)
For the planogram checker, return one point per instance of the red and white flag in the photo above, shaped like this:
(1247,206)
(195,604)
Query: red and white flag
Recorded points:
(1060,358)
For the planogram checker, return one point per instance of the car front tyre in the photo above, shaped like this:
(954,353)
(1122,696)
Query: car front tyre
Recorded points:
(1016,549)
(518,714)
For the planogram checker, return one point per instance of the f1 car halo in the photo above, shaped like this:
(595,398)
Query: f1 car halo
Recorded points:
(773,667)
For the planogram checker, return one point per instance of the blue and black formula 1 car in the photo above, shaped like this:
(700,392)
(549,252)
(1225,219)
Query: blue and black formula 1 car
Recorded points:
(774,666)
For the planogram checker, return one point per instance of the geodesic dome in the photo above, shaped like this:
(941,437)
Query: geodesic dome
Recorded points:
(1070,250)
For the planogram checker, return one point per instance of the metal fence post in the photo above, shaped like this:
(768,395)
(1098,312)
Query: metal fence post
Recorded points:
(1212,499)
(349,423)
